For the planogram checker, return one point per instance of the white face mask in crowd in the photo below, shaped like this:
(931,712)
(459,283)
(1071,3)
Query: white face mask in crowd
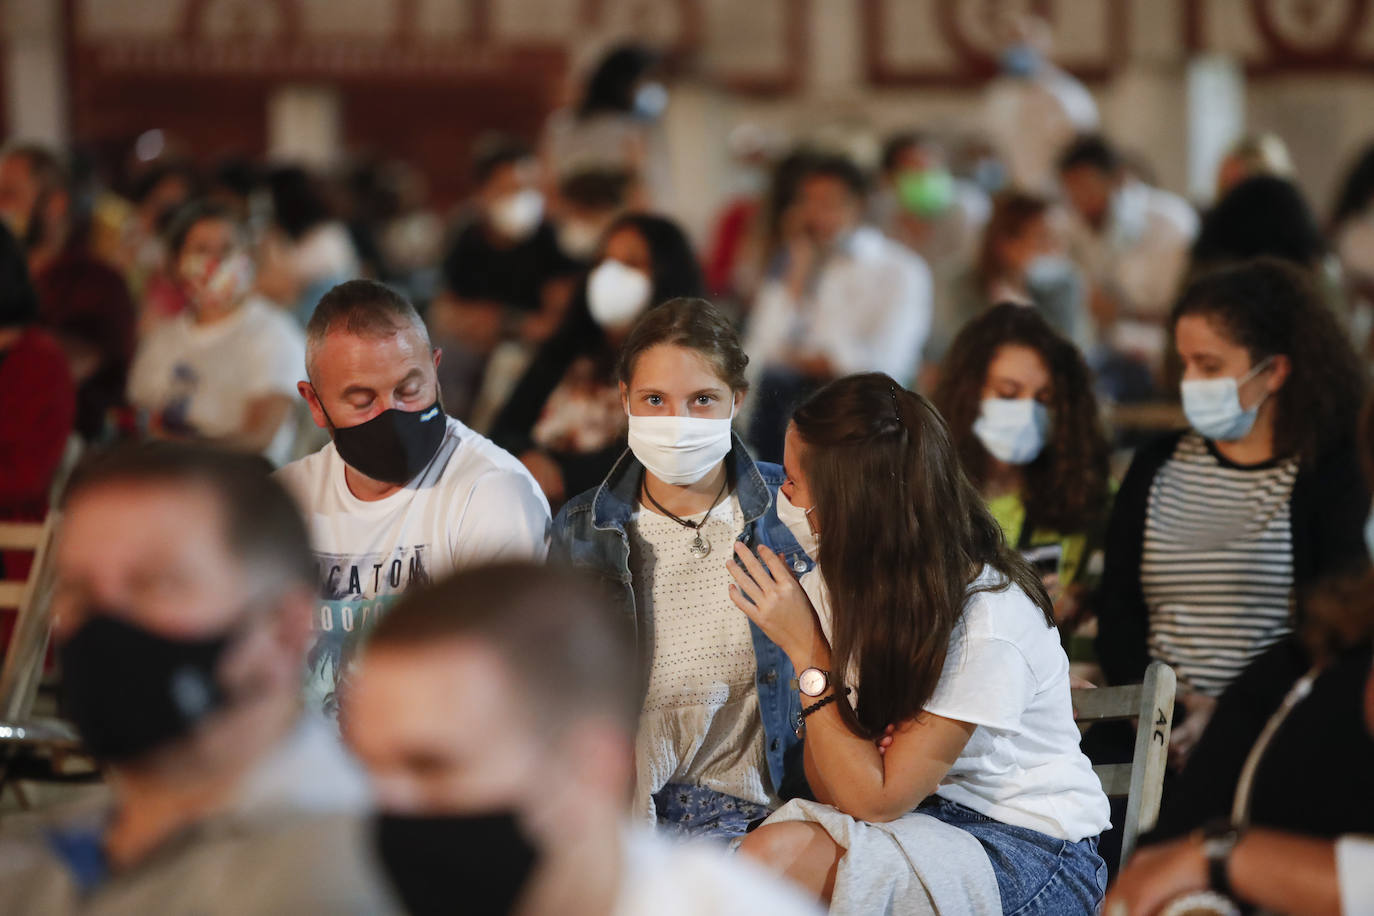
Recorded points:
(1013,431)
(798,521)
(1213,406)
(517,215)
(680,450)
(616,293)
(221,282)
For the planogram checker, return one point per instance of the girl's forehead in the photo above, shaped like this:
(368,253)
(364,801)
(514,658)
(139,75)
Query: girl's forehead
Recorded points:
(669,365)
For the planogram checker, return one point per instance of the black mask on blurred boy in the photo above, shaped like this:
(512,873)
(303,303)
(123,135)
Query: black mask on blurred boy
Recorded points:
(130,691)
(476,864)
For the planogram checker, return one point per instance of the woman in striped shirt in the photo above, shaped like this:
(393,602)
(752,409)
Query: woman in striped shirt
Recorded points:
(1217,531)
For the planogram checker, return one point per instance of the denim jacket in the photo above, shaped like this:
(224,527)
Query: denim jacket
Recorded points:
(590,534)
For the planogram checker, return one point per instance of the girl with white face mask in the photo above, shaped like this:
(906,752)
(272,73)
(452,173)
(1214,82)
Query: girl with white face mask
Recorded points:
(1218,531)
(716,740)
(1020,406)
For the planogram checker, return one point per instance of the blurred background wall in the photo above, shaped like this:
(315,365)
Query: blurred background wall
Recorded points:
(320,81)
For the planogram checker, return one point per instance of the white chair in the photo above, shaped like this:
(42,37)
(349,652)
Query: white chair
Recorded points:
(1141,782)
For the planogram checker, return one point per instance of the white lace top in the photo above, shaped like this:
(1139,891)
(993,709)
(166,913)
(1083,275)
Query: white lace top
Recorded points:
(700,724)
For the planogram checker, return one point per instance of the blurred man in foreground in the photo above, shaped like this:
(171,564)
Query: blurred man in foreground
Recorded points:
(183,601)
(496,713)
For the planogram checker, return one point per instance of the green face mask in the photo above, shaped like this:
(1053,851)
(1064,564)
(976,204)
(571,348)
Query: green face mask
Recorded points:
(928,192)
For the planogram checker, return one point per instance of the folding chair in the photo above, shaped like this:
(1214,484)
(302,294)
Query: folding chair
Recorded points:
(1141,781)
(31,747)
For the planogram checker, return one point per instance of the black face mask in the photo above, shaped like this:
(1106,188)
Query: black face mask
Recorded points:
(393,446)
(130,691)
(443,864)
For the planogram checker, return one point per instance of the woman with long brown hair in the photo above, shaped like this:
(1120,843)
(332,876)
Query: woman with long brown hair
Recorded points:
(921,616)
(1019,402)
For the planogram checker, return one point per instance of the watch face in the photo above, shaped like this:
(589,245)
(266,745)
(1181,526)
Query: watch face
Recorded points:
(813,682)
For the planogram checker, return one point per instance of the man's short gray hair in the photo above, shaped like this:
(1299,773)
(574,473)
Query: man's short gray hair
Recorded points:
(364,308)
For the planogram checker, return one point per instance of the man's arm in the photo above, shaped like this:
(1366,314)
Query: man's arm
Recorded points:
(1276,871)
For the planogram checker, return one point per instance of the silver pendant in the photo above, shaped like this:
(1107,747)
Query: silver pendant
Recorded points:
(701,548)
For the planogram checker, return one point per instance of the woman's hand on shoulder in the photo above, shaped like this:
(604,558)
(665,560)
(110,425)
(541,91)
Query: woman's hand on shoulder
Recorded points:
(766,591)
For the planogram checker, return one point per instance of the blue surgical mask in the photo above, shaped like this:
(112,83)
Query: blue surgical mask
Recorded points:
(1014,431)
(1020,60)
(1213,406)
(1050,272)
(651,100)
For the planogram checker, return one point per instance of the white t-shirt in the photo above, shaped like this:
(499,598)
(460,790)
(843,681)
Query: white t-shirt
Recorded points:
(666,878)
(1006,673)
(204,378)
(1355,874)
(700,722)
(473,503)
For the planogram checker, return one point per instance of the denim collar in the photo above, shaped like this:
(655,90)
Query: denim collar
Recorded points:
(615,499)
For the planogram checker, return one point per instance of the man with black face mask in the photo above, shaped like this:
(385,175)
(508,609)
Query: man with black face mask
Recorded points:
(496,713)
(404,493)
(183,603)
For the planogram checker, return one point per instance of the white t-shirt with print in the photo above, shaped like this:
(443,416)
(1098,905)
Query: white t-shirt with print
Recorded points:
(204,377)
(1007,673)
(473,503)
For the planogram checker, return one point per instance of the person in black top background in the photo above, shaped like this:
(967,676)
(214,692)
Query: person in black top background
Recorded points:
(500,274)
(580,356)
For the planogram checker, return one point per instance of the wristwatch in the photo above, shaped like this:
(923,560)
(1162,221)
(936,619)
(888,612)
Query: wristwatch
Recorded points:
(813,682)
(1219,838)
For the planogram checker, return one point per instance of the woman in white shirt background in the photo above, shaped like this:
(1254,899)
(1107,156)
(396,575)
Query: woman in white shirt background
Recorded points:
(226,368)
(923,617)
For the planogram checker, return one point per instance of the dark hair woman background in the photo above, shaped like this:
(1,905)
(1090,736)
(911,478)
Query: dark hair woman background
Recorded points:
(1284,860)
(1019,402)
(37,406)
(614,124)
(1021,258)
(1352,234)
(564,418)
(1218,531)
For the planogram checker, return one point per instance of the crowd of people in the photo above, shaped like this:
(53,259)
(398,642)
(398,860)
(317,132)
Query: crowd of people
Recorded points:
(482,574)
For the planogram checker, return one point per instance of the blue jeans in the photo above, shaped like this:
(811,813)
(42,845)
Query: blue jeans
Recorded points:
(1036,873)
(693,811)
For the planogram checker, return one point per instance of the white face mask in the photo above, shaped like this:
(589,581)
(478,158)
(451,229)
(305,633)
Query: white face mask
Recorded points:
(616,294)
(798,521)
(1213,406)
(680,450)
(578,240)
(517,215)
(1013,431)
(229,281)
